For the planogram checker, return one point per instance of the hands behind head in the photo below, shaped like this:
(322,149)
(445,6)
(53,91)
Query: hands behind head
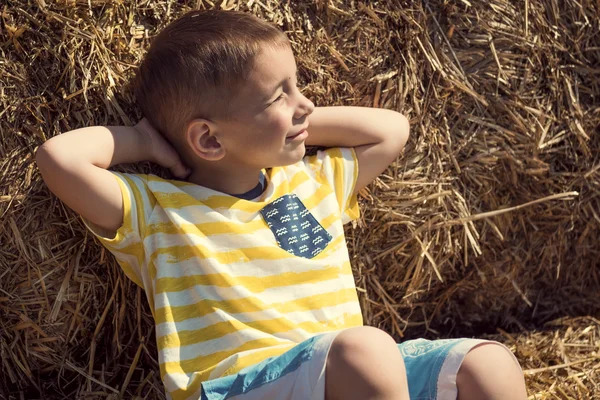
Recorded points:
(161,151)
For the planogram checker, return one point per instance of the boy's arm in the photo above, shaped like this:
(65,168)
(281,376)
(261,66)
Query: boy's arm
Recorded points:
(74,166)
(377,135)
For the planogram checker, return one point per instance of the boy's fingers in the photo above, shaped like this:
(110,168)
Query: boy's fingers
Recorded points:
(180,170)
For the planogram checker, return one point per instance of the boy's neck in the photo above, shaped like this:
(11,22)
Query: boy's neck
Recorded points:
(230,180)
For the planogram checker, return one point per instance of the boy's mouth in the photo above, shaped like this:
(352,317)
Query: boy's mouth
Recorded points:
(303,134)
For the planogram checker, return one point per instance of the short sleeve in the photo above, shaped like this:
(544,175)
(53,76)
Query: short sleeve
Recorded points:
(338,168)
(126,243)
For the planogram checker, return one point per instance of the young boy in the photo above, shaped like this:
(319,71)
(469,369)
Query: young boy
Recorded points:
(243,259)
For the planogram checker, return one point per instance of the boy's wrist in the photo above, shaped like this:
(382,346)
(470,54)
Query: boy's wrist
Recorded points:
(143,143)
(156,148)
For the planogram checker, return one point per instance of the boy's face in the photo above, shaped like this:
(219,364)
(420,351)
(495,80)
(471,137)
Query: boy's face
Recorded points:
(269,115)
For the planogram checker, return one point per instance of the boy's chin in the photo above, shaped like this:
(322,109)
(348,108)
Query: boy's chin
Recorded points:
(297,154)
(291,157)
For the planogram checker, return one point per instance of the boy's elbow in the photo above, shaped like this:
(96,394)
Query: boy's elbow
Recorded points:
(42,156)
(45,155)
(49,158)
(400,134)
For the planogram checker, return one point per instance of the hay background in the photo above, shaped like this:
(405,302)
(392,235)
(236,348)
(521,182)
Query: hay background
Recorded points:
(503,98)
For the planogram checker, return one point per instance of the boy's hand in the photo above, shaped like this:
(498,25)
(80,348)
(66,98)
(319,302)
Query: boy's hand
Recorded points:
(377,136)
(160,150)
(74,166)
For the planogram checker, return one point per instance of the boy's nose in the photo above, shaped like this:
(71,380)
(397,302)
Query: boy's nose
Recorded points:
(305,107)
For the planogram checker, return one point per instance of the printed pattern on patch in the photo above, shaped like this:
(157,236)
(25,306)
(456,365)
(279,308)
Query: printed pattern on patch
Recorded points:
(420,347)
(296,230)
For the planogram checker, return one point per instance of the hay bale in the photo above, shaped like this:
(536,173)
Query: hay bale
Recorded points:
(490,221)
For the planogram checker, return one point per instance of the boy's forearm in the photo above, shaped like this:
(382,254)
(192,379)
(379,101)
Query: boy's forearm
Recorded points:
(74,167)
(352,126)
(101,146)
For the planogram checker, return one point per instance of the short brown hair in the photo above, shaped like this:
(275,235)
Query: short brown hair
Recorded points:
(195,64)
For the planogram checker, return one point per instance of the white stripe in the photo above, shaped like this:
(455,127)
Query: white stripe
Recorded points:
(323,164)
(446,379)
(273,295)
(259,268)
(227,342)
(219,244)
(203,193)
(213,243)
(179,380)
(141,187)
(121,256)
(115,246)
(229,241)
(296,317)
(348,174)
(200,213)
(227,363)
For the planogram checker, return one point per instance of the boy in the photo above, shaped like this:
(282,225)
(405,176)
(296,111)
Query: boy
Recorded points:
(243,260)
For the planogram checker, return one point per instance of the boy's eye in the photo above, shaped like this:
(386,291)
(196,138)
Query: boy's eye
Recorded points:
(277,99)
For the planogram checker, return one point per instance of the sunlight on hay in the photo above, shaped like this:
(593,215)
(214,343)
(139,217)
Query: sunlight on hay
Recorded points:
(487,225)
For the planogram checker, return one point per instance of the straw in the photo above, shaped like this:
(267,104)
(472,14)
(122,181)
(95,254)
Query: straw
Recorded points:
(487,225)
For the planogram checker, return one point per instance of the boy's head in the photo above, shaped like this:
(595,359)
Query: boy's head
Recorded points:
(221,86)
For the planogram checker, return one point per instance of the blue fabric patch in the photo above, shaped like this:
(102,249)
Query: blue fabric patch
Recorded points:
(259,374)
(423,360)
(295,229)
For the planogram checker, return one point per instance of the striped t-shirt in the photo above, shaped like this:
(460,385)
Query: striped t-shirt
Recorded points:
(232,282)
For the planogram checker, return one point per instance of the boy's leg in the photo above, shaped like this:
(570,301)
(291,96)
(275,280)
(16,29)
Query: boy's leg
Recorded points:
(489,372)
(364,363)
(463,369)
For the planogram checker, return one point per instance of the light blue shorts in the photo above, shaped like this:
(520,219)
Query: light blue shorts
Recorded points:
(299,374)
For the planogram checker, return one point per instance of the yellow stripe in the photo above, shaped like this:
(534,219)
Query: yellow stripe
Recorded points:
(297,179)
(256,357)
(355,171)
(181,253)
(179,184)
(182,199)
(135,250)
(208,229)
(178,254)
(331,247)
(270,326)
(253,304)
(319,195)
(330,220)
(203,362)
(130,272)
(244,361)
(352,208)
(254,284)
(337,165)
(220,329)
(141,212)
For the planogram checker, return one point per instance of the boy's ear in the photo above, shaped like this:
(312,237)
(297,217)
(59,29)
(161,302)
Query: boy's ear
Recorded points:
(202,138)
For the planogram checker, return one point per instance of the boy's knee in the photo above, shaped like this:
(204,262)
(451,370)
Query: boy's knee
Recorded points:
(489,371)
(360,342)
(365,362)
